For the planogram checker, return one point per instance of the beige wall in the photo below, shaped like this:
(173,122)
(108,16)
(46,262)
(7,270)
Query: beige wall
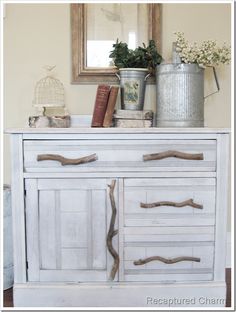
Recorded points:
(39,34)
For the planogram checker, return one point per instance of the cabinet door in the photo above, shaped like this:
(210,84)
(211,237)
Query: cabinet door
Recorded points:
(67,222)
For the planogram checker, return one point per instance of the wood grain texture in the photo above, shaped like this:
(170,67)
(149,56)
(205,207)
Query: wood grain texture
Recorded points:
(188,202)
(143,233)
(189,278)
(189,133)
(116,295)
(221,205)
(113,153)
(112,232)
(155,14)
(165,260)
(66,161)
(176,154)
(18,209)
(8,294)
(121,228)
(66,232)
(32,229)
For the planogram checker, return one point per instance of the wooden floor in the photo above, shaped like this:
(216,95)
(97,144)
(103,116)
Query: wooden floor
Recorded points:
(8,296)
(228,282)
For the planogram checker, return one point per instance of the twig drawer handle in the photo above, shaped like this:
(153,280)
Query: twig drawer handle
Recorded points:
(188,202)
(165,260)
(112,232)
(67,161)
(176,154)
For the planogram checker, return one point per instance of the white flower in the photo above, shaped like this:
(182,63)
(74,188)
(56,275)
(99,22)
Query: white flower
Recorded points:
(207,54)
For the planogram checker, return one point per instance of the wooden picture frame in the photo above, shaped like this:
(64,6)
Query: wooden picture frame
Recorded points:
(94,75)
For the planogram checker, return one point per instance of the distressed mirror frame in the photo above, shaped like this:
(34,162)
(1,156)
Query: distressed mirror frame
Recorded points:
(81,73)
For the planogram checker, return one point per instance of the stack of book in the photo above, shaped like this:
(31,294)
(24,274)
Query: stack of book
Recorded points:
(133,119)
(104,114)
(104,106)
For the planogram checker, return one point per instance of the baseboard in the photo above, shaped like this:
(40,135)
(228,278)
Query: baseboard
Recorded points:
(148,295)
(228,250)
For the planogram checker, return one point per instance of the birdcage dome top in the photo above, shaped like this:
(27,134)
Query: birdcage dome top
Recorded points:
(49,92)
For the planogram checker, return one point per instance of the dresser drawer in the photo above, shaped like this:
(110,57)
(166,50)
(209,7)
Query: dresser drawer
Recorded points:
(179,262)
(169,201)
(175,234)
(131,155)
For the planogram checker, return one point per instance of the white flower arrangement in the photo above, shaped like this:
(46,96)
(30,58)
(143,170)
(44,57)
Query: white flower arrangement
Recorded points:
(207,54)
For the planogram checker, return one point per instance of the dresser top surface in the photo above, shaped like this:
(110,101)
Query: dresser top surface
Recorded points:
(87,130)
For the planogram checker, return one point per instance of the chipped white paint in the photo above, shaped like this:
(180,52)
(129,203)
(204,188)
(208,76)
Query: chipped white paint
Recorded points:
(68,213)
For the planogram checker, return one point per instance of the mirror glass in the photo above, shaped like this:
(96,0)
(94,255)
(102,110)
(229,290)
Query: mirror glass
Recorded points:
(123,21)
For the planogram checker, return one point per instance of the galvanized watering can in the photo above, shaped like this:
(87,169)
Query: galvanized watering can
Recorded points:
(132,87)
(180,95)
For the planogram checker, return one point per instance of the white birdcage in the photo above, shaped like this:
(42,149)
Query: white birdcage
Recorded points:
(49,92)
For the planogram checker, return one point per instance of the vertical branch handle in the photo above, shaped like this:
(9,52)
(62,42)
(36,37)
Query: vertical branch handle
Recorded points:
(112,232)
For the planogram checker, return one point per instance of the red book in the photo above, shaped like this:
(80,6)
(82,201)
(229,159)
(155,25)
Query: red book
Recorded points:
(110,106)
(100,105)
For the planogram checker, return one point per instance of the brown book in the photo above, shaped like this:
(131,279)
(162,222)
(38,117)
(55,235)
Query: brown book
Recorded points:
(110,106)
(100,105)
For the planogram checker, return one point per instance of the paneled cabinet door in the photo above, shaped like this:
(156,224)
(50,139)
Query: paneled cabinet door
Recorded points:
(67,222)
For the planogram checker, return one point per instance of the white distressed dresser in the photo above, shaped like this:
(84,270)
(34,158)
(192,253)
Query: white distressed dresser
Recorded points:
(119,217)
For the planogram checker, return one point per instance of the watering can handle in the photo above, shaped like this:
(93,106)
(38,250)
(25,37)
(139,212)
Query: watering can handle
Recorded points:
(217,83)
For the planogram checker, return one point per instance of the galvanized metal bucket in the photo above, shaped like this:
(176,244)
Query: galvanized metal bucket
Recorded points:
(132,87)
(180,95)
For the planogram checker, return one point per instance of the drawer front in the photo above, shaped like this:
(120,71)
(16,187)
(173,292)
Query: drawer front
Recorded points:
(132,155)
(169,202)
(179,262)
(175,234)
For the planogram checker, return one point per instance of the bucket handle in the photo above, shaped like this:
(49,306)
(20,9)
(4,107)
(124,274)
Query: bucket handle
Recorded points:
(217,83)
(146,77)
(118,76)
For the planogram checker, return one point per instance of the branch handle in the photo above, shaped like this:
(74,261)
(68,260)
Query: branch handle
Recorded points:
(67,161)
(165,260)
(172,153)
(188,202)
(112,232)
